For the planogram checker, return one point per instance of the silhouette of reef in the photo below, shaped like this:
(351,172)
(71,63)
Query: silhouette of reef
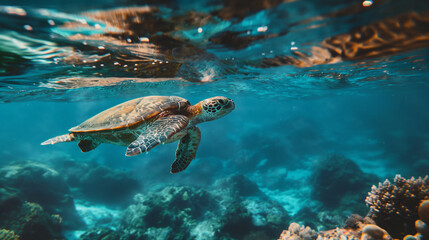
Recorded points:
(336,177)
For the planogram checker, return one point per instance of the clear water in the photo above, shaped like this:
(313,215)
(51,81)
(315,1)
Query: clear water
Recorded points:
(59,66)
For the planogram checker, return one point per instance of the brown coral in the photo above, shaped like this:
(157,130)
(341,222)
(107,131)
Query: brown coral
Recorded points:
(393,206)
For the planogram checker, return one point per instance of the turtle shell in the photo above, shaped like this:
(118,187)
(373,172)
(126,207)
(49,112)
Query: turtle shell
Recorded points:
(131,113)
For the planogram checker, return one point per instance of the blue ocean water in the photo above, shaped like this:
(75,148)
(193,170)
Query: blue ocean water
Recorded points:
(331,97)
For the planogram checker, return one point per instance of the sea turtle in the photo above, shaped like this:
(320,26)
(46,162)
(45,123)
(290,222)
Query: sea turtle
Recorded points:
(144,123)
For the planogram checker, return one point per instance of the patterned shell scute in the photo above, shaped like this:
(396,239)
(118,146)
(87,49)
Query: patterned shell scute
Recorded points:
(131,113)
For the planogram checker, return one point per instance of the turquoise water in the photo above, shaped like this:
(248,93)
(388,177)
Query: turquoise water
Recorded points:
(312,129)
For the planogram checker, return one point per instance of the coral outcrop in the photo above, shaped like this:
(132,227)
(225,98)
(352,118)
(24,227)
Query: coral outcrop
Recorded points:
(393,205)
(38,183)
(397,206)
(29,221)
(234,208)
(173,211)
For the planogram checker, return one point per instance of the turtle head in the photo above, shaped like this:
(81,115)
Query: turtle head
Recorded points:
(214,108)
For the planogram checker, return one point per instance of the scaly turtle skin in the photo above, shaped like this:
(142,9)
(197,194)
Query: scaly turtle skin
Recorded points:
(144,123)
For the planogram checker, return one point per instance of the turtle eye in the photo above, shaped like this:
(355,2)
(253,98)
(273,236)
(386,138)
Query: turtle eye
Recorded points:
(221,101)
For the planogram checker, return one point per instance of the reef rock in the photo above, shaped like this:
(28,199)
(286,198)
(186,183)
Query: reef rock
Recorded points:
(107,186)
(336,180)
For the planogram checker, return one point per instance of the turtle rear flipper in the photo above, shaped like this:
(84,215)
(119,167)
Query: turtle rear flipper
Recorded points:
(158,132)
(87,145)
(186,150)
(69,137)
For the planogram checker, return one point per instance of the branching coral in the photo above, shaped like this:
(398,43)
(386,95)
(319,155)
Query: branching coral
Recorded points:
(393,206)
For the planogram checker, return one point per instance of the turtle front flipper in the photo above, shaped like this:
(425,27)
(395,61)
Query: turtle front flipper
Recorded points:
(186,150)
(88,145)
(158,132)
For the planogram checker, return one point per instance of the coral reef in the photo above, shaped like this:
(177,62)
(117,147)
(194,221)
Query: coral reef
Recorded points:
(249,212)
(173,210)
(28,221)
(393,206)
(36,182)
(234,208)
(405,197)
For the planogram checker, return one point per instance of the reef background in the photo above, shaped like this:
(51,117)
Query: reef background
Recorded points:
(303,144)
